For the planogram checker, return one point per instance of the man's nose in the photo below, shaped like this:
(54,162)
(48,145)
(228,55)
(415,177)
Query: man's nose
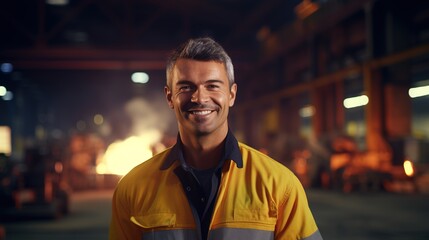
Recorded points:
(200,95)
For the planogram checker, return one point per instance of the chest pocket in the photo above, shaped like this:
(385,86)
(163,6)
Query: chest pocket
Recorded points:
(157,220)
(161,226)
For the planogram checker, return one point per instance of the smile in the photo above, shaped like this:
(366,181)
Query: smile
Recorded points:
(205,112)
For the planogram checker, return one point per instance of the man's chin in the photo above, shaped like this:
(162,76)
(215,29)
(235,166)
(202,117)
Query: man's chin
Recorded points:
(202,132)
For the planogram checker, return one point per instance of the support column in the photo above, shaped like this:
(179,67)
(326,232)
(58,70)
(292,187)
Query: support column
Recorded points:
(379,151)
(329,115)
(373,110)
(398,111)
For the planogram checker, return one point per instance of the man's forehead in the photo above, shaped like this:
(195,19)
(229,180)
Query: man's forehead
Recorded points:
(187,67)
(190,62)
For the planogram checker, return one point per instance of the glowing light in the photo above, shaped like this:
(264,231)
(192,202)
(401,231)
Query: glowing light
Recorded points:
(408,168)
(5,140)
(307,111)
(58,167)
(356,101)
(6,67)
(121,156)
(98,119)
(306,8)
(140,77)
(418,91)
(57,2)
(3,91)
(8,96)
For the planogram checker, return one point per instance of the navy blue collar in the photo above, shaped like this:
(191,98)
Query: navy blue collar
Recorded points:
(231,152)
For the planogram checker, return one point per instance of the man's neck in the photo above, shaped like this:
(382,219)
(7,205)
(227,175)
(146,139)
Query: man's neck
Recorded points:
(203,152)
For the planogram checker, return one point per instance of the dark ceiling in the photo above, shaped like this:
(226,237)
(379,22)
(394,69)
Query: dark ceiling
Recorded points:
(138,24)
(71,61)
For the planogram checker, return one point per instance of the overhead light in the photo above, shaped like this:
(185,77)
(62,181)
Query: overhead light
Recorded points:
(140,77)
(357,101)
(6,67)
(306,111)
(3,91)
(57,2)
(305,9)
(98,119)
(76,36)
(8,96)
(418,91)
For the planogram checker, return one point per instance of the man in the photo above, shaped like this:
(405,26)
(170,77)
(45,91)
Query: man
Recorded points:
(208,185)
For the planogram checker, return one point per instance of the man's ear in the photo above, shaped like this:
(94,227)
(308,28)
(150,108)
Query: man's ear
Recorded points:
(168,95)
(232,94)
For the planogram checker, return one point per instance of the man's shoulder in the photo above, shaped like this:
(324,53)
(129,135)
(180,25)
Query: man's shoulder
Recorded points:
(147,168)
(249,152)
(273,175)
(263,162)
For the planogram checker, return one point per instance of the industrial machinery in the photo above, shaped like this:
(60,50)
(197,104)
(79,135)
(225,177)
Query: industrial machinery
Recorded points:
(33,187)
(399,166)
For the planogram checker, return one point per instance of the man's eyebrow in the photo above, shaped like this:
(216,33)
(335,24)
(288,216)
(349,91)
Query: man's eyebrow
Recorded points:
(187,82)
(182,82)
(215,81)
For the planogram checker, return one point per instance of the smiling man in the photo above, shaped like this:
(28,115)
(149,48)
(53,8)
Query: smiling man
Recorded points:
(208,185)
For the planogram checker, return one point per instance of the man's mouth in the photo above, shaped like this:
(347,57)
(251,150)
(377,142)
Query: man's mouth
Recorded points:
(201,113)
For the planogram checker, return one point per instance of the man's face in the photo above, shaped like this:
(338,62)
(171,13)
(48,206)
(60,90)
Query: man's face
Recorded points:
(200,96)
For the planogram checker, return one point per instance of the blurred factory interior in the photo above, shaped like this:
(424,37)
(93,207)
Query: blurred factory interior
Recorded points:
(335,89)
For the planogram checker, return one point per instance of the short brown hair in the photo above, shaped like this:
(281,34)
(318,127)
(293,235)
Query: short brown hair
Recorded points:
(200,49)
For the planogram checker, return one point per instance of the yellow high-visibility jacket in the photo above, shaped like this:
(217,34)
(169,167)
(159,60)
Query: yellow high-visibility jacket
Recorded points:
(261,199)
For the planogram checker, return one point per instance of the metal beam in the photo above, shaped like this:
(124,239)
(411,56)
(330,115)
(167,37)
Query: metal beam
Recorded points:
(89,65)
(336,76)
(97,59)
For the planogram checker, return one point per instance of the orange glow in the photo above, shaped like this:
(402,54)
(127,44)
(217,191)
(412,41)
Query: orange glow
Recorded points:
(5,140)
(306,8)
(408,168)
(121,156)
(58,167)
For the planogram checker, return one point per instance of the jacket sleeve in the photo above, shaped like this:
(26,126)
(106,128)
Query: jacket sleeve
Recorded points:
(121,227)
(295,220)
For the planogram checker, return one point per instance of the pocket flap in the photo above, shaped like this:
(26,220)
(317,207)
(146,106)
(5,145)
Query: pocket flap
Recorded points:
(248,215)
(155,220)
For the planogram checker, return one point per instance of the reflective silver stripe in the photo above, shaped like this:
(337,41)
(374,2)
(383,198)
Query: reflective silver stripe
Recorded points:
(175,234)
(217,234)
(240,234)
(315,236)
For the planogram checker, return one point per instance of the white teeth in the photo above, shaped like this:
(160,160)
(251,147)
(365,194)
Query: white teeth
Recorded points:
(201,112)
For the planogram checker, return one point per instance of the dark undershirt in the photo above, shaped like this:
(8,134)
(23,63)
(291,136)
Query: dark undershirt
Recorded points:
(204,178)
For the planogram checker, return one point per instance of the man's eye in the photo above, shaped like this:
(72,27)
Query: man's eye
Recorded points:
(185,88)
(212,86)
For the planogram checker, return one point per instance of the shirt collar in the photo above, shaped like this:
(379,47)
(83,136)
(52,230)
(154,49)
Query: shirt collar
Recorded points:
(231,152)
